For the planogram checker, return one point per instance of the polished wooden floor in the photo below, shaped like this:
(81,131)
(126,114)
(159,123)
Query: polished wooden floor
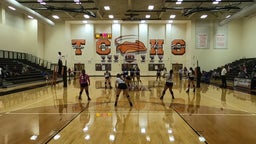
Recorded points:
(53,114)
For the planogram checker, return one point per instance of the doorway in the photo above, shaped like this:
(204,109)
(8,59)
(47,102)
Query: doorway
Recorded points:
(176,67)
(78,67)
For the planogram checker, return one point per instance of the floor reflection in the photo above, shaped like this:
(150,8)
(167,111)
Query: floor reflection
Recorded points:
(54,114)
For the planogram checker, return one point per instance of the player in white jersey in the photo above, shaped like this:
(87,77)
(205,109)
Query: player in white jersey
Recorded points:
(107,76)
(191,77)
(121,85)
(168,84)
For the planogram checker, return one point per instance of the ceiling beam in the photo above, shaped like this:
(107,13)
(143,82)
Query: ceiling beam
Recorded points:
(50,1)
(161,13)
(68,14)
(98,14)
(210,1)
(146,11)
(28,11)
(129,4)
(244,12)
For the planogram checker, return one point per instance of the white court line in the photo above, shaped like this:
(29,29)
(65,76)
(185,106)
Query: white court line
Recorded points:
(251,114)
(40,113)
(230,104)
(27,105)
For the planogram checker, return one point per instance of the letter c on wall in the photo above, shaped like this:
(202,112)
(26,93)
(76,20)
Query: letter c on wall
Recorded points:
(102,47)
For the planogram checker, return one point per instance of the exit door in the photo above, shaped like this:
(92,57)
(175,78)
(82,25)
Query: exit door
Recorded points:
(78,67)
(176,67)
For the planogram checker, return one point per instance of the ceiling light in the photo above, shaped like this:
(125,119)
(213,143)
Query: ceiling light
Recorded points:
(77,1)
(215,2)
(33,137)
(203,16)
(169,131)
(171,138)
(228,16)
(170,21)
(85,21)
(147,16)
(115,21)
(56,137)
(110,16)
(179,0)
(143,130)
(150,7)
(202,139)
(30,17)
(106,7)
(55,16)
(87,137)
(41,2)
(148,138)
(178,3)
(12,8)
(111,137)
(142,21)
(172,16)
(86,16)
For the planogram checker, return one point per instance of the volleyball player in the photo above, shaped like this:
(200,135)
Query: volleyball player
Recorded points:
(158,74)
(121,85)
(168,84)
(132,75)
(84,80)
(191,77)
(137,73)
(107,76)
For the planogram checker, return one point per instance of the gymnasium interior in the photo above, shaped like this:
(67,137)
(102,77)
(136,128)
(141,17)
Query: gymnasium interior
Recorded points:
(40,104)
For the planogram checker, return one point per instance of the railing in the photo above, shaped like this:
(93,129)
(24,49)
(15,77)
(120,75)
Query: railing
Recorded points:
(28,57)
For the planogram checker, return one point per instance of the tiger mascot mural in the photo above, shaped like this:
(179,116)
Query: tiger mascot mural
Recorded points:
(178,47)
(124,45)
